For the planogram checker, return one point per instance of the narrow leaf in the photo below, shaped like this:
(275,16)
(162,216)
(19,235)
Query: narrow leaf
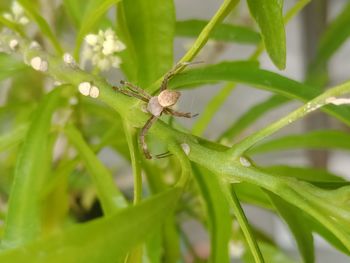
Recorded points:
(268,15)
(320,139)
(12,138)
(223,32)
(148,33)
(244,72)
(42,24)
(110,196)
(297,225)
(334,36)
(211,109)
(103,240)
(24,216)
(252,115)
(10,66)
(219,217)
(272,255)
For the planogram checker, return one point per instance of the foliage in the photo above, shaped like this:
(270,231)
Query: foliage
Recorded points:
(55,183)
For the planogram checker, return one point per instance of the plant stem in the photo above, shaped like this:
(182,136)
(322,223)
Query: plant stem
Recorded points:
(239,148)
(226,7)
(131,138)
(243,222)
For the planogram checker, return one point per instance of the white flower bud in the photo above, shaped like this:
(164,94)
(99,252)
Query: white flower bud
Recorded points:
(91,39)
(13,44)
(17,9)
(68,59)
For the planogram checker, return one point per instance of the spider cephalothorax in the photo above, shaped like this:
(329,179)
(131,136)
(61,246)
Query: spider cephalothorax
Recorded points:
(156,105)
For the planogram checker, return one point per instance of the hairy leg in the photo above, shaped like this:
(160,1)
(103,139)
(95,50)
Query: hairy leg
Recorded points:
(179,114)
(135,89)
(143,133)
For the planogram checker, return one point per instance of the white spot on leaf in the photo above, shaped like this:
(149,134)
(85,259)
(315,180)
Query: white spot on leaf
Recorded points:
(94,92)
(84,88)
(244,161)
(186,148)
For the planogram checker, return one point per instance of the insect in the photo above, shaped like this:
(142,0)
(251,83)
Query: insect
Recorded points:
(157,105)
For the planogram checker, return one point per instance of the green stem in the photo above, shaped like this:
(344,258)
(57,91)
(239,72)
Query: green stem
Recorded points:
(131,138)
(110,196)
(239,148)
(243,222)
(186,169)
(226,7)
(203,37)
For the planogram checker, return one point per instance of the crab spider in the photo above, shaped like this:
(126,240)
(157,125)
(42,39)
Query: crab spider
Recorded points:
(157,105)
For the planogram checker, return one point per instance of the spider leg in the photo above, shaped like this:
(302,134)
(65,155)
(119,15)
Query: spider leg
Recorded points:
(135,89)
(179,114)
(163,155)
(143,133)
(168,76)
(133,94)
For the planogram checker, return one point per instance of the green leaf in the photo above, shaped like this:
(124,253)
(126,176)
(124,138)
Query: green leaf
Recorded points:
(110,196)
(12,138)
(75,10)
(303,173)
(24,215)
(223,32)
(253,194)
(272,255)
(320,139)
(211,109)
(334,36)
(10,66)
(252,115)
(244,72)
(42,24)
(148,33)
(297,225)
(268,15)
(13,26)
(102,240)
(219,217)
(93,13)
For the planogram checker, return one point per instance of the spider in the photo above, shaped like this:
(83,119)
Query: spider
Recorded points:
(157,105)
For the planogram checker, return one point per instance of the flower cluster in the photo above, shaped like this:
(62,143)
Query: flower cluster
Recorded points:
(17,14)
(102,49)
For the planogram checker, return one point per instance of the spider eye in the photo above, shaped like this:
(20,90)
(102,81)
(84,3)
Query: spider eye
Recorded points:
(168,97)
